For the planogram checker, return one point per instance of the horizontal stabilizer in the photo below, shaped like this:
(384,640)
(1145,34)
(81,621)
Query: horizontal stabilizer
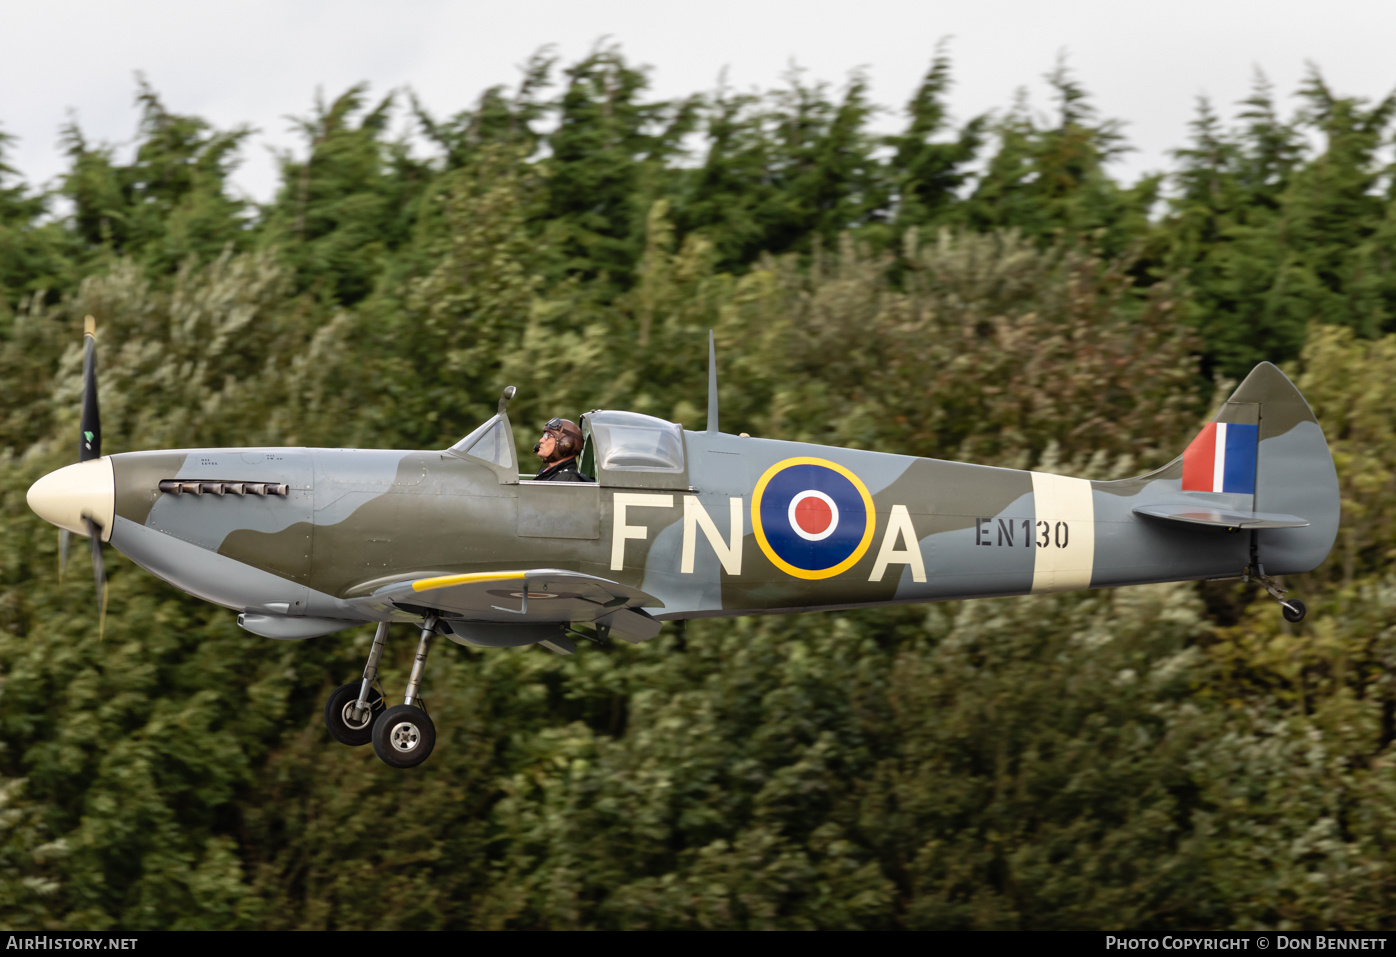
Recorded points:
(1197,513)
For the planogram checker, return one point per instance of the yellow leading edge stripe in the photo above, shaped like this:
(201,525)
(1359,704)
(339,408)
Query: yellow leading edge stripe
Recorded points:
(427,584)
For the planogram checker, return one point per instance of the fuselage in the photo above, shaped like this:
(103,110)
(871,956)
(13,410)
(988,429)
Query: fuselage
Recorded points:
(701,523)
(745,526)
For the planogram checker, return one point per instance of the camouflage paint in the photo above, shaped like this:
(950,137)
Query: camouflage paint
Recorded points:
(358,527)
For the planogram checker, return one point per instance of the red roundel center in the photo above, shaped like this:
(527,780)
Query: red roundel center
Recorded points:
(813,515)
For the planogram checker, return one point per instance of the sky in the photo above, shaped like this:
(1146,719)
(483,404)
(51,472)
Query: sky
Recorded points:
(258,62)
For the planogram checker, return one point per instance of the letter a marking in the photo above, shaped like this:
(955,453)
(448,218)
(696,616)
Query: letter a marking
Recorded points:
(899,528)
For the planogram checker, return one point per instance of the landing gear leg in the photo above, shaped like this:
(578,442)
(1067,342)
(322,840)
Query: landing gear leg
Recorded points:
(418,666)
(1293,609)
(350,710)
(380,637)
(403,735)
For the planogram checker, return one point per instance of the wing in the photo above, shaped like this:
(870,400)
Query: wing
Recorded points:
(521,607)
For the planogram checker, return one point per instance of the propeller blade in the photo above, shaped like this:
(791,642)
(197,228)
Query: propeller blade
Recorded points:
(90,441)
(99,573)
(63,536)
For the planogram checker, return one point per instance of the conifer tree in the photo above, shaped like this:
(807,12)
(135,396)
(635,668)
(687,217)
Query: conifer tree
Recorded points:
(171,202)
(596,184)
(345,207)
(1273,240)
(1050,180)
(828,180)
(496,118)
(928,170)
(726,198)
(1334,210)
(32,253)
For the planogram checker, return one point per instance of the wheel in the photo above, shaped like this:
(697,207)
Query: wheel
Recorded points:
(338,714)
(403,736)
(1297,615)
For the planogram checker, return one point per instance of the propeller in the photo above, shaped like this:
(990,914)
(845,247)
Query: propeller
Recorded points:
(89,447)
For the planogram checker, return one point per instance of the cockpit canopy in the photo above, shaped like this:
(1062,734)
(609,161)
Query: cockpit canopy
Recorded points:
(631,442)
(625,449)
(630,450)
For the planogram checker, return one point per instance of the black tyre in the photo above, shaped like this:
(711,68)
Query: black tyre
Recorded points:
(339,719)
(403,736)
(1297,615)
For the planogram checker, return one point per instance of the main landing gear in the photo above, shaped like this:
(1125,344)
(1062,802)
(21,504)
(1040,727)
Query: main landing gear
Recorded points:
(1293,609)
(356,713)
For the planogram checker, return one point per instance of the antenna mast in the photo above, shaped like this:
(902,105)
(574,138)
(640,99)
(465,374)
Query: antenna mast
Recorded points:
(712,383)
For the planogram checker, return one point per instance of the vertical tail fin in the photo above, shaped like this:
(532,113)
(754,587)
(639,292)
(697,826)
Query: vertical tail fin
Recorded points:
(1294,471)
(1255,487)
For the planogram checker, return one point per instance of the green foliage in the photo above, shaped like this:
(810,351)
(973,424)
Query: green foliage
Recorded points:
(1349,383)
(598,180)
(1273,240)
(930,173)
(32,253)
(27,861)
(1049,179)
(171,203)
(349,203)
(1148,758)
(992,350)
(496,120)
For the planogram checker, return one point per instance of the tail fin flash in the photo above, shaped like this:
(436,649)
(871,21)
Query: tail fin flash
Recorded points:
(1222,459)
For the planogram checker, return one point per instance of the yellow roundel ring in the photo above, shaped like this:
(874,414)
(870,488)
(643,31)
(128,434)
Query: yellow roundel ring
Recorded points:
(870,519)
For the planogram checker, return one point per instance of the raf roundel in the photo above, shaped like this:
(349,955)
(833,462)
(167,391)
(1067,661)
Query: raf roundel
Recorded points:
(812,518)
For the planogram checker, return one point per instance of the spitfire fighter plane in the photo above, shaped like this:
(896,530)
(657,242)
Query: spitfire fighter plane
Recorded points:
(675,524)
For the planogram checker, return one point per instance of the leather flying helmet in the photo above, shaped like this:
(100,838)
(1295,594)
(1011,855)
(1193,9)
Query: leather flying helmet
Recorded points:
(567,438)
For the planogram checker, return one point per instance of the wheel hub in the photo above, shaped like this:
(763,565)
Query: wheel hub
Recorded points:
(348,716)
(405,736)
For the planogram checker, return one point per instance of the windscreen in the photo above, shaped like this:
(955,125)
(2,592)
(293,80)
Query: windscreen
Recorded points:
(489,442)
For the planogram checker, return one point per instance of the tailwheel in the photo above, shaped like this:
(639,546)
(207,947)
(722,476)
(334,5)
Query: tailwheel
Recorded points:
(403,736)
(1293,609)
(339,714)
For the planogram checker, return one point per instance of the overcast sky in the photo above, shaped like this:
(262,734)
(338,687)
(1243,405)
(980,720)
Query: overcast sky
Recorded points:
(257,61)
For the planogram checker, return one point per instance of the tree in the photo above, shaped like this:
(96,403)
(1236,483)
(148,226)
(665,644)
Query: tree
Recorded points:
(350,203)
(604,158)
(171,203)
(1273,240)
(1050,180)
(496,119)
(32,253)
(930,171)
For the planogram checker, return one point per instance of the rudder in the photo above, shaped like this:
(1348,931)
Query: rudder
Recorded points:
(1294,472)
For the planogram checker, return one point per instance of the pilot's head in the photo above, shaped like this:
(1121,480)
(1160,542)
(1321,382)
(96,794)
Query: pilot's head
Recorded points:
(561,440)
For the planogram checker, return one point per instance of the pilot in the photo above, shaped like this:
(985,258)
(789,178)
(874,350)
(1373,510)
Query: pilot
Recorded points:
(559,447)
